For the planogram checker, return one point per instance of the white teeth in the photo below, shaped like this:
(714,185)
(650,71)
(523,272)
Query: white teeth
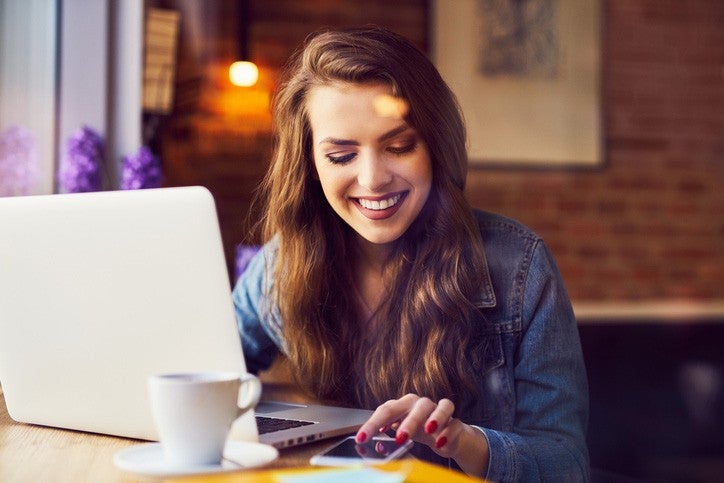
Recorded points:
(380,205)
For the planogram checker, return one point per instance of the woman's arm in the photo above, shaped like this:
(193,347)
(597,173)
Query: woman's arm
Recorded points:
(547,438)
(252,307)
(546,441)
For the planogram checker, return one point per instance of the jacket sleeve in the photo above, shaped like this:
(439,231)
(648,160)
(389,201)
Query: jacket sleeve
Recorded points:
(254,315)
(547,442)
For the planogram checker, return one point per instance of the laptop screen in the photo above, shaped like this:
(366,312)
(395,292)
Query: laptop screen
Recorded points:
(99,290)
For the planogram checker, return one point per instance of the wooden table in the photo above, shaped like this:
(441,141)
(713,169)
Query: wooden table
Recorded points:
(38,454)
(30,453)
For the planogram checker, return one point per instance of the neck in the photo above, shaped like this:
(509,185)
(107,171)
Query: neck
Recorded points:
(372,256)
(369,275)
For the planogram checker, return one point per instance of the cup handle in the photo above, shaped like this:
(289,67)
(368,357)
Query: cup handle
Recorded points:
(249,393)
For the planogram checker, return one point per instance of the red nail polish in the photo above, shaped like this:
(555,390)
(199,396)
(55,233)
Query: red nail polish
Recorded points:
(401,437)
(441,441)
(361,437)
(431,426)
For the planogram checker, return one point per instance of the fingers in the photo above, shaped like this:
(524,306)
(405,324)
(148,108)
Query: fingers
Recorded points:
(445,441)
(413,424)
(438,421)
(440,416)
(443,429)
(414,417)
(426,422)
(387,414)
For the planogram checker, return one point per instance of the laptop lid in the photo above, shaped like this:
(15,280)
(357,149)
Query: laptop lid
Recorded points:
(99,290)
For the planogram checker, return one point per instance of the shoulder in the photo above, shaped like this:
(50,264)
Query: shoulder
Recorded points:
(255,266)
(496,229)
(510,250)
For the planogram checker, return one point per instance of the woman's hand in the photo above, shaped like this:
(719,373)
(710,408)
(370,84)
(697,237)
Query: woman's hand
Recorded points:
(431,424)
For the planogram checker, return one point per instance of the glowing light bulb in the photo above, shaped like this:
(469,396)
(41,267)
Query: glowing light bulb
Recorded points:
(243,73)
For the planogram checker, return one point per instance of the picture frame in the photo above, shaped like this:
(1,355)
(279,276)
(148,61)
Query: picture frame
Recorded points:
(527,76)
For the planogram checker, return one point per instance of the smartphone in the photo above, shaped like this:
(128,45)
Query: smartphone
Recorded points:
(379,449)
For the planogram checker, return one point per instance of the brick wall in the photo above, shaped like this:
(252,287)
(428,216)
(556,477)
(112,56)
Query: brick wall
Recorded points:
(647,225)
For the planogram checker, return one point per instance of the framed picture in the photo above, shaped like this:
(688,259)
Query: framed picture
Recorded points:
(528,78)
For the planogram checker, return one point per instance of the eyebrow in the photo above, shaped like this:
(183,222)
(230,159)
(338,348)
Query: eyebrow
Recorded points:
(349,142)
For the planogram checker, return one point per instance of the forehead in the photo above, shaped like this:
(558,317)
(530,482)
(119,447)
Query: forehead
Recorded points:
(342,94)
(343,103)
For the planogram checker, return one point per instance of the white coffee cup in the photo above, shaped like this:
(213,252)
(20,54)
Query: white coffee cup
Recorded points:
(194,411)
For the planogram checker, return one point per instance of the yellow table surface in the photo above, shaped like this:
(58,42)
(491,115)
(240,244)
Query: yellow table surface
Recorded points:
(416,471)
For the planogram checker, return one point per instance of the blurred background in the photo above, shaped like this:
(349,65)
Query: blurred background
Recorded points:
(637,232)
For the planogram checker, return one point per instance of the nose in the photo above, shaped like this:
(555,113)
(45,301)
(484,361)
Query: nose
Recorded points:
(373,173)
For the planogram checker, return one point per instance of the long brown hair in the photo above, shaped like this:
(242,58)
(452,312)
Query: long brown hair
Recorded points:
(427,319)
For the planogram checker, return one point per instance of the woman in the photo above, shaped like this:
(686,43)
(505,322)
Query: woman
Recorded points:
(386,290)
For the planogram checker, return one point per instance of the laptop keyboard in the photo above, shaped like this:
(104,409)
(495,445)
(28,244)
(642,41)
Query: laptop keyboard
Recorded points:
(269,425)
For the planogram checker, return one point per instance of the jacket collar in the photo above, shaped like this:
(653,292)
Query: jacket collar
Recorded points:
(486,297)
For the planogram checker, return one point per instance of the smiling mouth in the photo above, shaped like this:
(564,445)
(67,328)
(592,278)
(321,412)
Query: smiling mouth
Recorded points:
(379,205)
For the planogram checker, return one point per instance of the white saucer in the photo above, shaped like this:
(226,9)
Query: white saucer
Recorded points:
(147,459)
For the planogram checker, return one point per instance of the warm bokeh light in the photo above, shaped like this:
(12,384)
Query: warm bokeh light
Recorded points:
(243,73)
(390,106)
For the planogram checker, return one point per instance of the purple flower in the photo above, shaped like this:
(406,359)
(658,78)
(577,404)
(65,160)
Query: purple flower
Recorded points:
(80,167)
(142,170)
(18,161)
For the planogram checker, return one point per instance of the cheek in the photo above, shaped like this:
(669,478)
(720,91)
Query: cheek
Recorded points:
(333,184)
(333,177)
(422,173)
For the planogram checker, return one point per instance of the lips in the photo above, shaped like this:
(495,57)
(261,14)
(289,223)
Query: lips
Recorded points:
(381,207)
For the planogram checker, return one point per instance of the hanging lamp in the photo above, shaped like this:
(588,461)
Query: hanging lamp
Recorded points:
(243,72)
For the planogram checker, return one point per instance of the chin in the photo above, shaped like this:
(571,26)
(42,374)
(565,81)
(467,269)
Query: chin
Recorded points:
(383,233)
(389,236)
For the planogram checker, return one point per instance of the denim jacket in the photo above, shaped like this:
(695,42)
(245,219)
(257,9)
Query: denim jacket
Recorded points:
(534,405)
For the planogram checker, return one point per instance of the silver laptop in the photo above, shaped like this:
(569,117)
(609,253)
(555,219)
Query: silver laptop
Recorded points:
(99,290)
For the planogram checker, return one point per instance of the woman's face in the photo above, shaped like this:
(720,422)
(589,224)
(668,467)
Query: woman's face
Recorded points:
(374,168)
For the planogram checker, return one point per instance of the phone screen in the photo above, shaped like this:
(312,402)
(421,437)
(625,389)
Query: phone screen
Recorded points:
(374,448)
(380,449)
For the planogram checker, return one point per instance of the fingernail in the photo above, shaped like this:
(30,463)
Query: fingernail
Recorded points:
(401,437)
(440,442)
(431,426)
(361,437)
(384,428)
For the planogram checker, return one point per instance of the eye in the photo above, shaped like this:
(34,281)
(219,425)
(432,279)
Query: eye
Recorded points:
(340,158)
(403,148)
